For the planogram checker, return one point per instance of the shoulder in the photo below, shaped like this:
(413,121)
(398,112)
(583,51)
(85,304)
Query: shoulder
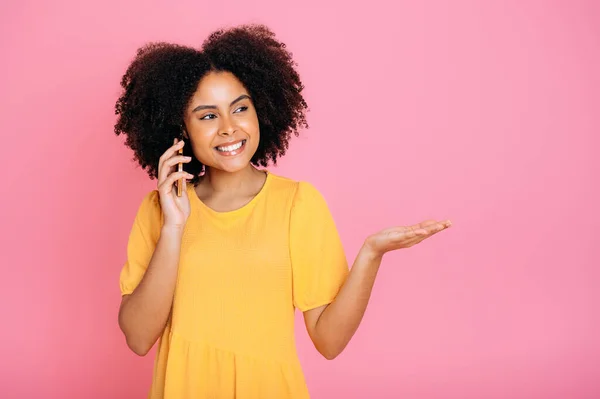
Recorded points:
(304,197)
(150,202)
(149,211)
(301,192)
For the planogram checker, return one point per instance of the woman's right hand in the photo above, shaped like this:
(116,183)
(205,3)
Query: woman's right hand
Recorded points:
(176,210)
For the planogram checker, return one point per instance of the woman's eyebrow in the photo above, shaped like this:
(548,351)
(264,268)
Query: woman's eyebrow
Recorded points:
(240,98)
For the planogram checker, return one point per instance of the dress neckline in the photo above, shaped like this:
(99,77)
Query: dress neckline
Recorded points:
(244,208)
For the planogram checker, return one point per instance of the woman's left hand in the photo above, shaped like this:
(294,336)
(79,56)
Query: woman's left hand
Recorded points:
(403,237)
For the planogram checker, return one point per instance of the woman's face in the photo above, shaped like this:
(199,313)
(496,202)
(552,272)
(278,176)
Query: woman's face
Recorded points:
(221,123)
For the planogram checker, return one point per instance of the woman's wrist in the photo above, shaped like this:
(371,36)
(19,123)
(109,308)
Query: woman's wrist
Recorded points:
(368,252)
(172,231)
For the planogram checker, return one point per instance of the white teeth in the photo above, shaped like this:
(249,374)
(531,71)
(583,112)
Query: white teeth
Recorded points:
(230,147)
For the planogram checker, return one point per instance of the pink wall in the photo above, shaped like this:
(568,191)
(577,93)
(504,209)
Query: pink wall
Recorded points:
(486,113)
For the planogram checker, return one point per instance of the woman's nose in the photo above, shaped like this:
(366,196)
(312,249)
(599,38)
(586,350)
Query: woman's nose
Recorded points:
(226,128)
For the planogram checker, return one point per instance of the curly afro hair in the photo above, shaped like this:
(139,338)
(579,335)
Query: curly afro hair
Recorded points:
(163,77)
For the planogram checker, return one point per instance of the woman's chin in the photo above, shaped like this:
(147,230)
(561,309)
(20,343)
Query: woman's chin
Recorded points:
(231,167)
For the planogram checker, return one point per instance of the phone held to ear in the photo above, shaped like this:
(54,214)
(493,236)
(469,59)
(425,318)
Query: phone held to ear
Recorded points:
(179,182)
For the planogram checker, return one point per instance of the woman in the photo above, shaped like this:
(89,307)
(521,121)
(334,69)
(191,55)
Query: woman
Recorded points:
(217,272)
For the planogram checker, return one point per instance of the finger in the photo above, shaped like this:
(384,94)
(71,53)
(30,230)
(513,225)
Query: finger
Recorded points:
(183,187)
(435,226)
(166,186)
(169,153)
(177,145)
(403,233)
(419,230)
(413,241)
(408,239)
(404,241)
(445,223)
(175,160)
(433,229)
(171,150)
(168,165)
(425,224)
(423,228)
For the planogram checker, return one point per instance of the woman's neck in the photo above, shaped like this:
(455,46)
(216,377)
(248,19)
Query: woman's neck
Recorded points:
(218,182)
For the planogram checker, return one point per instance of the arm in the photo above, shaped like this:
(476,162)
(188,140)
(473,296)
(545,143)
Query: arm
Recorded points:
(144,313)
(331,327)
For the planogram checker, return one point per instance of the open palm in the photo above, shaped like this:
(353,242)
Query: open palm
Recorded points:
(404,236)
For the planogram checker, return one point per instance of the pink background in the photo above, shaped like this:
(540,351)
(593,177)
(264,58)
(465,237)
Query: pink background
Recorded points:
(486,113)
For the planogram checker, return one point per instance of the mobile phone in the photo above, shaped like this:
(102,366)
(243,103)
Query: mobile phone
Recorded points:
(179,182)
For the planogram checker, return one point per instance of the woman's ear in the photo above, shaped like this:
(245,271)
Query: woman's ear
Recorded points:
(184,133)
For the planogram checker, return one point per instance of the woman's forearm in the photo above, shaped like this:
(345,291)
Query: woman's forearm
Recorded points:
(341,318)
(144,314)
(338,321)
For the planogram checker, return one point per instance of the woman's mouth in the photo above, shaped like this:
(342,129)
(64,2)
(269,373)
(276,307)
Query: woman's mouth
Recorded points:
(231,149)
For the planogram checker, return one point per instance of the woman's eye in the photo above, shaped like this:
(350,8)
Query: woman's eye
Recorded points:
(241,109)
(208,116)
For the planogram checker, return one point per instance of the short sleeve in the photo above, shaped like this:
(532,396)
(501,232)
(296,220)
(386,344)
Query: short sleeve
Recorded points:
(142,241)
(319,265)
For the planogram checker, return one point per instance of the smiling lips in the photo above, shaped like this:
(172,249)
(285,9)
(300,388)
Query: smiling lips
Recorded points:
(234,148)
